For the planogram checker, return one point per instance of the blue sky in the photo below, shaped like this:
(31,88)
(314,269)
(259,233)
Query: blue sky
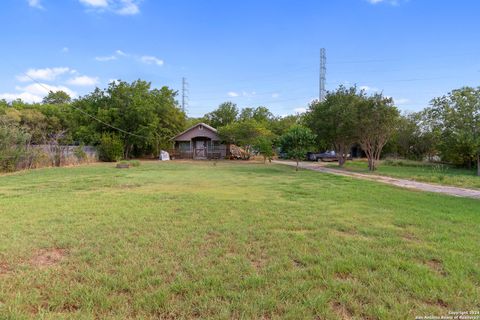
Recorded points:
(252,52)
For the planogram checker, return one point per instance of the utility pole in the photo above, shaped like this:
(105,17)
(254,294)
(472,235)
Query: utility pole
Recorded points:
(184,94)
(323,74)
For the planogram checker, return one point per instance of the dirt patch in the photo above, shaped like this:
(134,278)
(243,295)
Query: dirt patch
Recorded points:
(350,234)
(343,276)
(4,268)
(45,258)
(438,303)
(341,311)
(258,261)
(299,263)
(436,266)
(410,237)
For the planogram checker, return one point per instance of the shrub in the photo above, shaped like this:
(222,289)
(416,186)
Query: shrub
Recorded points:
(110,148)
(13,146)
(80,154)
(135,163)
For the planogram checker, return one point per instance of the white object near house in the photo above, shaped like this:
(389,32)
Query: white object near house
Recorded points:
(164,156)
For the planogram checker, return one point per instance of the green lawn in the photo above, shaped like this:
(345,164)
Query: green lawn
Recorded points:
(235,240)
(425,172)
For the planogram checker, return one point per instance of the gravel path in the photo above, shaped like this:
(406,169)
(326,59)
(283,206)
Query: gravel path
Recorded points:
(453,191)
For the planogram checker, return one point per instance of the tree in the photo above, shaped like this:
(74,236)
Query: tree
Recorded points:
(456,117)
(264,145)
(244,133)
(333,120)
(110,148)
(143,118)
(296,142)
(14,142)
(259,114)
(412,139)
(58,97)
(225,114)
(375,123)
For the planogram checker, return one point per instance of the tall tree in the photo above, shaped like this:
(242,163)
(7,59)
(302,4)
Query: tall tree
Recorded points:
(296,142)
(225,114)
(333,120)
(143,118)
(375,123)
(58,97)
(456,116)
(244,133)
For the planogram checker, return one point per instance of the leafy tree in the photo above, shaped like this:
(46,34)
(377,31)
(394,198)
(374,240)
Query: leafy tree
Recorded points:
(244,133)
(110,148)
(456,118)
(225,114)
(264,145)
(296,142)
(280,125)
(333,120)
(375,123)
(143,118)
(412,139)
(14,142)
(58,97)
(259,114)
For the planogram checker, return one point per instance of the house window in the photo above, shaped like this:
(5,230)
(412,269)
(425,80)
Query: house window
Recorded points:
(184,145)
(200,127)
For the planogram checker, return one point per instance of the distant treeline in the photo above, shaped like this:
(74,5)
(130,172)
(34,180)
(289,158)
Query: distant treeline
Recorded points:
(129,120)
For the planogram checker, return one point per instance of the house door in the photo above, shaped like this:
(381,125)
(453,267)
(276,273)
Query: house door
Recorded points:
(200,149)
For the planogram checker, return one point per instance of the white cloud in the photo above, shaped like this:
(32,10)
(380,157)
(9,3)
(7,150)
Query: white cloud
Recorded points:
(121,7)
(107,58)
(116,81)
(275,95)
(300,110)
(24,96)
(47,74)
(95,3)
(83,81)
(35,4)
(369,89)
(401,101)
(115,56)
(65,49)
(128,7)
(35,92)
(151,60)
(120,53)
(42,89)
(233,94)
(390,2)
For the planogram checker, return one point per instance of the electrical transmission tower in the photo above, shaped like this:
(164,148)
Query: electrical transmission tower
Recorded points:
(323,74)
(184,94)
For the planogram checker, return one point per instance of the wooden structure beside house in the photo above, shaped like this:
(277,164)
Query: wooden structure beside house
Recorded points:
(198,142)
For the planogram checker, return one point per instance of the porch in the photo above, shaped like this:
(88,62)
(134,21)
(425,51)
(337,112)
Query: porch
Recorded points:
(199,148)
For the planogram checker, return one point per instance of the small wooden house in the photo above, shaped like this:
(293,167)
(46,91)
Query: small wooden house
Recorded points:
(198,142)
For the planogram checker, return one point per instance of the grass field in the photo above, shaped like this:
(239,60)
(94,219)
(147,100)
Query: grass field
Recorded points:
(235,240)
(419,171)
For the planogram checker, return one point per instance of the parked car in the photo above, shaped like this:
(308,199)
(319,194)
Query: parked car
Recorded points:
(325,156)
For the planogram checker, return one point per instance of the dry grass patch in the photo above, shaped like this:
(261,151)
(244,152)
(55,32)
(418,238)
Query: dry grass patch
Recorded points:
(45,258)
(341,311)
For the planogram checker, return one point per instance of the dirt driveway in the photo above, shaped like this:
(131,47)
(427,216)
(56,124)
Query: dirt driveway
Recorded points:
(453,191)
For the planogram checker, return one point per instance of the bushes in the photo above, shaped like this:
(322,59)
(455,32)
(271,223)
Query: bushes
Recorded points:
(110,148)
(14,144)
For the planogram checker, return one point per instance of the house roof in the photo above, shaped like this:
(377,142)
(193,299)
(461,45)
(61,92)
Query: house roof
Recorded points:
(193,127)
